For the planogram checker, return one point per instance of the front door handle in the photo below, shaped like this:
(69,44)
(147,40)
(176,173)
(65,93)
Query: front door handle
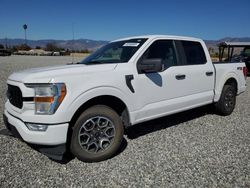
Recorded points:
(209,73)
(180,76)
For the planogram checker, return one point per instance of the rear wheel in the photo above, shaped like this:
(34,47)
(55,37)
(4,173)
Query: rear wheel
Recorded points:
(226,104)
(97,134)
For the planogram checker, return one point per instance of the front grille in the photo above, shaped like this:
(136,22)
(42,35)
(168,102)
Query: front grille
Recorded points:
(14,95)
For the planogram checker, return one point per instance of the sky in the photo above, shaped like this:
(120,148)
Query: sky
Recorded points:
(112,19)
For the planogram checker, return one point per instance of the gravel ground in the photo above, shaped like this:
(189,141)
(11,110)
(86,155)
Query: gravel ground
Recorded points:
(192,149)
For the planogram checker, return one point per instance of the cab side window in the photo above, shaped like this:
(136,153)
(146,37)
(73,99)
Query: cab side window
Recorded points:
(194,53)
(162,49)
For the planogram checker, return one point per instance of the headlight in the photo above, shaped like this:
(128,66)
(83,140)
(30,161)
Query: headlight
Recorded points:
(48,97)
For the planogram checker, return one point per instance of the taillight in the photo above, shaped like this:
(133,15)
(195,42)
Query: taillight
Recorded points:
(245,71)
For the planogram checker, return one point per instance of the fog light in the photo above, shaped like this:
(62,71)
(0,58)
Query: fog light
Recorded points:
(36,127)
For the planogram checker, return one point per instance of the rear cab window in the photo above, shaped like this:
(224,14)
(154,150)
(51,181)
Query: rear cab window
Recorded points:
(246,51)
(191,52)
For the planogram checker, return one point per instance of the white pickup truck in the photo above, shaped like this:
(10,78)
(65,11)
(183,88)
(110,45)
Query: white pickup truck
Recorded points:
(85,107)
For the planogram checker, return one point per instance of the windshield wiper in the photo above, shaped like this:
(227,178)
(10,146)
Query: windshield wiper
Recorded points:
(88,63)
(71,63)
(93,62)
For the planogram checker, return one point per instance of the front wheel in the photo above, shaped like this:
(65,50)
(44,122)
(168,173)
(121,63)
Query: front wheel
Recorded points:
(97,134)
(226,104)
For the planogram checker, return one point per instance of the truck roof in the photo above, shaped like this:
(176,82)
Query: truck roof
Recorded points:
(161,36)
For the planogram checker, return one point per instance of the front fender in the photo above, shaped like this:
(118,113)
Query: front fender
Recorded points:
(96,92)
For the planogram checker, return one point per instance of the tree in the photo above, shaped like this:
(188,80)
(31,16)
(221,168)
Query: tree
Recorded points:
(23,47)
(38,47)
(84,51)
(14,49)
(52,47)
(211,50)
(1,46)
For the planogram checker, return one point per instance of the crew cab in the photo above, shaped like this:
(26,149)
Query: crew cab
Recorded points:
(85,107)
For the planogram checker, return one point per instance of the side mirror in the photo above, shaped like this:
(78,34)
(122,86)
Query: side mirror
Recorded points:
(150,66)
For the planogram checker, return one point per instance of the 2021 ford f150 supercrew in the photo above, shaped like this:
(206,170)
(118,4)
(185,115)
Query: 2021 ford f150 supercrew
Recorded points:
(86,106)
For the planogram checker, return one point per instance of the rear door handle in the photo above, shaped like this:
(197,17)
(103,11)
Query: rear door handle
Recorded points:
(209,73)
(180,76)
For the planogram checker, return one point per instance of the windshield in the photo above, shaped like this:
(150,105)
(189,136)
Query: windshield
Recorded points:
(115,52)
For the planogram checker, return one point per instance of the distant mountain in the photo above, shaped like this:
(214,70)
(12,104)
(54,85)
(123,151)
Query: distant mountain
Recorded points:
(79,44)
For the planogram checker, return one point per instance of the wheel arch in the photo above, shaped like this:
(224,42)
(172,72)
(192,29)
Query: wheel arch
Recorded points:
(229,79)
(232,81)
(114,102)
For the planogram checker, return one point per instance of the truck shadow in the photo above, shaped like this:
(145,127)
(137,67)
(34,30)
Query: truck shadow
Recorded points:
(145,128)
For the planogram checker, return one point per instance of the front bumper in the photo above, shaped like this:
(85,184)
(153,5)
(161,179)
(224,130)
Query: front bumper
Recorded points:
(54,135)
(52,148)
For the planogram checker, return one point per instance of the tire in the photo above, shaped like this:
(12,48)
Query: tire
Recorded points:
(226,104)
(97,134)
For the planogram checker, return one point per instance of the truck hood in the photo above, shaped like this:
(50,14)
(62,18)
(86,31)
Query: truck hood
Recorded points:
(46,74)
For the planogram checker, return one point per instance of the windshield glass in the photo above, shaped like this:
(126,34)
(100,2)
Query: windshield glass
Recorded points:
(115,52)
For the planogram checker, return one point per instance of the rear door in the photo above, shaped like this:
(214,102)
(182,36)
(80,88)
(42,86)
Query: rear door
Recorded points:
(196,75)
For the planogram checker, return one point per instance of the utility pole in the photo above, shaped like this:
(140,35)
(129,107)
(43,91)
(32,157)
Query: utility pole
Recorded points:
(25,27)
(6,43)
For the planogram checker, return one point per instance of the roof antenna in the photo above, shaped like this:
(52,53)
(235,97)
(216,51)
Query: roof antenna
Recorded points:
(73,43)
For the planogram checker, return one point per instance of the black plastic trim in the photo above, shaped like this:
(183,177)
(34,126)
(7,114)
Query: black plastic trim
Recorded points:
(11,128)
(27,99)
(209,73)
(15,96)
(180,77)
(129,78)
(37,122)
